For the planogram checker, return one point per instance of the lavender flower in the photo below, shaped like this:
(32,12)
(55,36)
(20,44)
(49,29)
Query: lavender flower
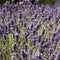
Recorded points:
(25,47)
(38,55)
(27,33)
(35,39)
(58,56)
(25,25)
(23,54)
(15,46)
(17,37)
(53,56)
(31,27)
(51,50)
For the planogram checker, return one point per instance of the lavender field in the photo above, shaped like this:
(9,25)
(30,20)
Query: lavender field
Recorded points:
(29,32)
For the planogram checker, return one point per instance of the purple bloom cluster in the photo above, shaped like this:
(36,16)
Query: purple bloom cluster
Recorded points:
(29,32)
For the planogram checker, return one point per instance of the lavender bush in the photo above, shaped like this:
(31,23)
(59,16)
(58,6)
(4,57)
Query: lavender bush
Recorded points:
(29,32)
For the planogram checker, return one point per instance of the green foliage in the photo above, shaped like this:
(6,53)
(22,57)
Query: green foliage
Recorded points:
(51,2)
(2,1)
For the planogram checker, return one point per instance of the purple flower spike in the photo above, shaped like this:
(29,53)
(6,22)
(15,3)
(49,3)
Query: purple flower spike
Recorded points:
(25,47)
(54,34)
(15,46)
(58,31)
(51,50)
(23,54)
(27,33)
(38,55)
(53,56)
(26,38)
(2,30)
(31,27)
(38,26)
(17,36)
(25,25)
(58,56)
(12,22)
(35,39)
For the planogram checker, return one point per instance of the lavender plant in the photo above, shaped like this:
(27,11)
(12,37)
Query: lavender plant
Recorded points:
(29,32)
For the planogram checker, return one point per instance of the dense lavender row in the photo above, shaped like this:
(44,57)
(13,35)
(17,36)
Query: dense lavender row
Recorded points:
(29,32)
